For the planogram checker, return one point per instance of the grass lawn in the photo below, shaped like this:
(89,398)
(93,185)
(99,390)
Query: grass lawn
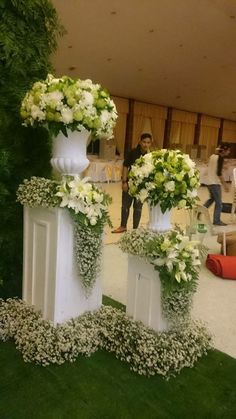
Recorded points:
(103,387)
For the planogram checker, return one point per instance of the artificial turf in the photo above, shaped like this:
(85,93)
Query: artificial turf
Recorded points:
(102,387)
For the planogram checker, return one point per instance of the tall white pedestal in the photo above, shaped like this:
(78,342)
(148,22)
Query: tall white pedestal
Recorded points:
(50,279)
(144,294)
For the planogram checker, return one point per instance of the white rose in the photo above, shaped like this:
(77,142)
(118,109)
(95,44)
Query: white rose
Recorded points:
(192,194)
(67,115)
(87,99)
(36,113)
(57,96)
(97,197)
(170,186)
(104,116)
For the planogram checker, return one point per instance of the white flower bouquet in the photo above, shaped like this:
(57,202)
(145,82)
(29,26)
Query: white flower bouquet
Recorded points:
(89,204)
(178,261)
(176,257)
(167,177)
(63,103)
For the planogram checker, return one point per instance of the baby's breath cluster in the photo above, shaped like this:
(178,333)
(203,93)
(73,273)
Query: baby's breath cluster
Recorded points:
(147,352)
(176,258)
(88,247)
(38,192)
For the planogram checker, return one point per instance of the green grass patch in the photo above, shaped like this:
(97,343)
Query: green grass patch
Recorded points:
(108,301)
(104,387)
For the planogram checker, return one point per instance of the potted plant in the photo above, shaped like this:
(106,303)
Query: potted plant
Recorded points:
(70,109)
(164,179)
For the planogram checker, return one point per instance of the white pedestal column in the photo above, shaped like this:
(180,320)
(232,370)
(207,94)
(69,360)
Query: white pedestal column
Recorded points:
(50,279)
(144,294)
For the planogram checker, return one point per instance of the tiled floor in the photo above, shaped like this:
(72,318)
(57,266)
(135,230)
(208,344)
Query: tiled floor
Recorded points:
(215,300)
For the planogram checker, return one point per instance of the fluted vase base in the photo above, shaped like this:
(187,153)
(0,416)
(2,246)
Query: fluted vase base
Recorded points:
(159,222)
(69,153)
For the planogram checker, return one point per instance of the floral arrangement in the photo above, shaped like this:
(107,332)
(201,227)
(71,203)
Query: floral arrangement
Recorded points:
(146,352)
(88,206)
(176,258)
(60,104)
(165,177)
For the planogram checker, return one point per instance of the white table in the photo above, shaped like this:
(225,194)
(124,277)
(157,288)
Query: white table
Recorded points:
(101,170)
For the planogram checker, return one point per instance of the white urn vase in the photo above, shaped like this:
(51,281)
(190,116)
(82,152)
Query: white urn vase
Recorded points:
(69,153)
(159,222)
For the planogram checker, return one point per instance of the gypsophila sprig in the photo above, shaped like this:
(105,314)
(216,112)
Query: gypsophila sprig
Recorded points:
(88,248)
(146,352)
(38,192)
(176,258)
(62,103)
(165,177)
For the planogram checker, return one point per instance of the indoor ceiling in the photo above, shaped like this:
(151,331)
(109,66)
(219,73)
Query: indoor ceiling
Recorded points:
(179,53)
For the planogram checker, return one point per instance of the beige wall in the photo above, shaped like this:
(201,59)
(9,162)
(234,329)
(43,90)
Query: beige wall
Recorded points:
(209,133)
(151,118)
(182,128)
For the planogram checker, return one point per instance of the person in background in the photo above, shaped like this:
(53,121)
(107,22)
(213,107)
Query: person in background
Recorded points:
(142,148)
(215,180)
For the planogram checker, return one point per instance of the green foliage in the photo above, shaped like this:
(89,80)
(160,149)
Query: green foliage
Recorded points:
(28,35)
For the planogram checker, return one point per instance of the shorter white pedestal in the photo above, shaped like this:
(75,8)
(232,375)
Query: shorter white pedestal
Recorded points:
(50,279)
(144,294)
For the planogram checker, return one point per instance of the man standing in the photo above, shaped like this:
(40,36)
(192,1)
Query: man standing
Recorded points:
(215,180)
(142,148)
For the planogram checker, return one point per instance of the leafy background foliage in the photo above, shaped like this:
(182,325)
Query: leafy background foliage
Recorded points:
(28,34)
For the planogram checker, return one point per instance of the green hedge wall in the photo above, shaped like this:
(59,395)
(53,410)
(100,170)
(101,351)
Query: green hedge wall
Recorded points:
(28,35)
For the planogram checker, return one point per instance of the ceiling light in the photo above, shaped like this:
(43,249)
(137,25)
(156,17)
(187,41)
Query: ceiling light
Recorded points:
(113,12)
(71,68)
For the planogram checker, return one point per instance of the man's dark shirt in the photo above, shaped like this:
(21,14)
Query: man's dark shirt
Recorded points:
(133,155)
